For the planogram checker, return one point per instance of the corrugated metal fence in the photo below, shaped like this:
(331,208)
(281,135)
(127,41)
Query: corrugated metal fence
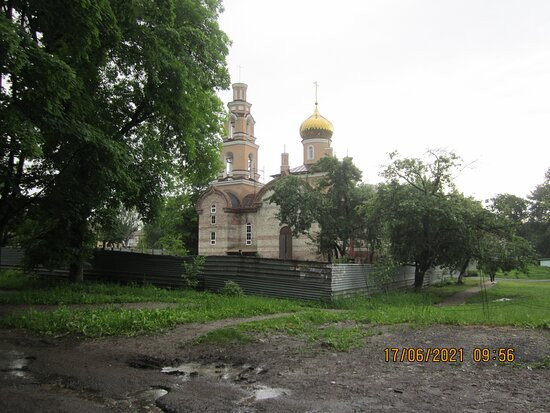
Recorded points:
(270,277)
(262,276)
(354,278)
(115,266)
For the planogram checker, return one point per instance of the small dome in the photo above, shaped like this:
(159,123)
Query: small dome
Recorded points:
(316,126)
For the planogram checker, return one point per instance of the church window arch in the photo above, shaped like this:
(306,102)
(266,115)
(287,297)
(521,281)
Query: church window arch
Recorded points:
(228,163)
(310,153)
(232,122)
(250,165)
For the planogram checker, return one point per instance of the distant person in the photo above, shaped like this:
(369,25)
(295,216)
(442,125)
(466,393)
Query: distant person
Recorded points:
(492,275)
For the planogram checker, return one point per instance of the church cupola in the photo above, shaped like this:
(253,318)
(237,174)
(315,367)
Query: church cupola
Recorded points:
(316,132)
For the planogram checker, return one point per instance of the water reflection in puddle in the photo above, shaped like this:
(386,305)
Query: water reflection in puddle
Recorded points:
(241,376)
(191,370)
(264,392)
(14,362)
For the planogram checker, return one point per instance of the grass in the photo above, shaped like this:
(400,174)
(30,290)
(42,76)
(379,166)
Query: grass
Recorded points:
(29,289)
(534,272)
(529,307)
(526,305)
(202,307)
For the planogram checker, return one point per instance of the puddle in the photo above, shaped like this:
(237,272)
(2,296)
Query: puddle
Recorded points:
(241,376)
(145,401)
(192,370)
(15,363)
(264,392)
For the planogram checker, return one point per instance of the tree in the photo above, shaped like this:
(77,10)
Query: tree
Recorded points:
(103,103)
(537,229)
(429,223)
(176,225)
(511,207)
(325,209)
(116,226)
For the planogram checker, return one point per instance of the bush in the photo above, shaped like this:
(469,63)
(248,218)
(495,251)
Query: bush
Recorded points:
(231,288)
(14,279)
(472,273)
(192,270)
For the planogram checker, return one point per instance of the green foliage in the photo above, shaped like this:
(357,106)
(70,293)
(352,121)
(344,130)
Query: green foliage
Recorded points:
(15,279)
(232,289)
(116,226)
(510,207)
(325,209)
(103,104)
(195,307)
(192,270)
(537,230)
(175,226)
(427,222)
(533,272)
(384,270)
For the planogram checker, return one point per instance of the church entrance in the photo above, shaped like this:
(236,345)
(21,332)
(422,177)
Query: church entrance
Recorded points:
(285,243)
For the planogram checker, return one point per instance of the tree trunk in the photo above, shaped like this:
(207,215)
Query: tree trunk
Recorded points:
(76,267)
(418,277)
(76,271)
(462,272)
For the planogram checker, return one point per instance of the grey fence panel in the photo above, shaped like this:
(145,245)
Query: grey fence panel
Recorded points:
(10,257)
(356,278)
(349,278)
(269,277)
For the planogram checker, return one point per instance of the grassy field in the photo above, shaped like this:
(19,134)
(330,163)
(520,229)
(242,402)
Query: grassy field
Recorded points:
(534,272)
(508,303)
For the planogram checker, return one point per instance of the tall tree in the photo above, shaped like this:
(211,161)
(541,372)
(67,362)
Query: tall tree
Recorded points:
(511,207)
(324,209)
(537,229)
(429,223)
(105,102)
(175,226)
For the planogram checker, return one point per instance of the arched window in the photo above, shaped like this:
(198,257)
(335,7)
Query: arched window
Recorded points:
(250,165)
(310,153)
(228,163)
(232,121)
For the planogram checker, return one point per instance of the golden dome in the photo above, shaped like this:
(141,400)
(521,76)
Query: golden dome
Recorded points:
(316,126)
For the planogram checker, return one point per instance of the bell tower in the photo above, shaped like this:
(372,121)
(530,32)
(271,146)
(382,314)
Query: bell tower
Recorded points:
(240,152)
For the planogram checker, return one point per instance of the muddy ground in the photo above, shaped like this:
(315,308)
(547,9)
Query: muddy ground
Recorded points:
(277,373)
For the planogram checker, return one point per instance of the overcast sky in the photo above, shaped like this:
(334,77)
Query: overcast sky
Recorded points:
(470,76)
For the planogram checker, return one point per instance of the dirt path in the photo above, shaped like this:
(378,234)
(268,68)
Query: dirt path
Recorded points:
(461,297)
(274,373)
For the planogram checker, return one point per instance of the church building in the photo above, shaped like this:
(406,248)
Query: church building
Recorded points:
(234,214)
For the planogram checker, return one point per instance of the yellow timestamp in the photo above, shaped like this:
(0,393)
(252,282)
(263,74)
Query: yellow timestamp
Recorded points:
(501,354)
(447,354)
(424,355)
